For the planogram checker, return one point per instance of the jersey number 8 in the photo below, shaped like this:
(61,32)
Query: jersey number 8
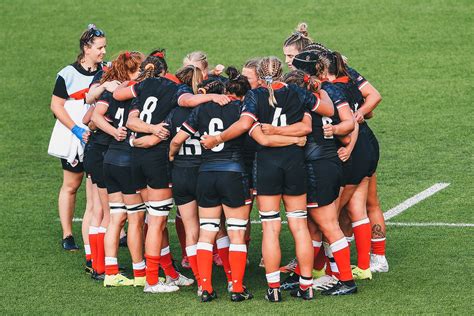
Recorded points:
(148,108)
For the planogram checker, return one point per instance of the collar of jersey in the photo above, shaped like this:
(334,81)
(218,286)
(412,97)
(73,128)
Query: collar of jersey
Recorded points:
(278,85)
(343,79)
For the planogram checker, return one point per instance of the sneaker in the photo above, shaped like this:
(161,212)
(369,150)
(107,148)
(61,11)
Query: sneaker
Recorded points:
(318,273)
(290,267)
(230,287)
(88,268)
(273,295)
(98,277)
(378,263)
(341,288)
(360,274)
(181,280)
(217,260)
(261,264)
(139,281)
(117,280)
(69,244)
(185,263)
(291,282)
(123,241)
(304,294)
(159,287)
(323,283)
(239,297)
(207,297)
(199,291)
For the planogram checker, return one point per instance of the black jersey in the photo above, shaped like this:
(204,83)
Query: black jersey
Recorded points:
(352,88)
(189,154)
(155,98)
(116,115)
(211,119)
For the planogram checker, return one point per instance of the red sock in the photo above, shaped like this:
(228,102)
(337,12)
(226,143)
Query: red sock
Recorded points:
(362,235)
(319,260)
(93,234)
(204,261)
(191,252)
(100,264)
(181,235)
(297,269)
(378,246)
(342,256)
(305,282)
(111,266)
(273,279)
(88,252)
(223,250)
(166,263)
(139,269)
(238,262)
(152,263)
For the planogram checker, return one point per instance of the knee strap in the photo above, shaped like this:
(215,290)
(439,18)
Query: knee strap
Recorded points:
(136,208)
(269,216)
(160,208)
(299,214)
(210,224)
(117,208)
(236,224)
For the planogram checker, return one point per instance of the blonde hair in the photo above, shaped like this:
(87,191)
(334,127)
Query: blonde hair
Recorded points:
(196,57)
(190,75)
(300,37)
(269,69)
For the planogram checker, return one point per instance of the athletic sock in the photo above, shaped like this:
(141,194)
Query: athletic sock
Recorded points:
(297,270)
(204,260)
(87,252)
(111,266)
(181,235)
(223,244)
(93,235)
(342,256)
(273,279)
(151,271)
(362,235)
(191,252)
(166,263)
(139,269)
(100,264)
(238,261)
(319,260)
(333,268)
(350,240)
(378,246)
(305,283)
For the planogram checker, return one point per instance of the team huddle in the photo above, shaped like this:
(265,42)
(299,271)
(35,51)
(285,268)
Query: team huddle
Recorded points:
(213,143)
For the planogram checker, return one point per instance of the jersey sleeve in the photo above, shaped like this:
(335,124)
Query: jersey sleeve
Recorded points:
(311,101)
(169,120)
(337,96)
(137,88)
(249,106)
(182,89)
(106,99)
(191,125)
(60,88)
(97,77)
(357,77)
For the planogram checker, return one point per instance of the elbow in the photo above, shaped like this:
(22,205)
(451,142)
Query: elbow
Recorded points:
(307,130)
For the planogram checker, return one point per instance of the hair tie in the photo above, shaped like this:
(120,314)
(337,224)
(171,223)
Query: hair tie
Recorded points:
(127,55)
(268,80)
(159,54)
(202,91)
(91,26)
(306,78)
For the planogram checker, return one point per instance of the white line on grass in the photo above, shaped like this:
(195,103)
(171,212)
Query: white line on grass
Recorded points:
(400,208)
(414,200)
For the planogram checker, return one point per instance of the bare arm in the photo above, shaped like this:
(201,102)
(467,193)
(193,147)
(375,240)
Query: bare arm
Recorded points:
(123,92)
(176,143)
(325,107)
(371,99)
(235,130)
(189,100)
(98,117)
(302,128)
(275,140)
(345,152)
(96,90)
(57,107)
(145,141)
(137,125)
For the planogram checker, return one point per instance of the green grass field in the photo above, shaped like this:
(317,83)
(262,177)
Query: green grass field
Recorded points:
(417,53)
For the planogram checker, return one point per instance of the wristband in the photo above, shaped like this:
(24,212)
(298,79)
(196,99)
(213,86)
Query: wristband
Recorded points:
(78,132)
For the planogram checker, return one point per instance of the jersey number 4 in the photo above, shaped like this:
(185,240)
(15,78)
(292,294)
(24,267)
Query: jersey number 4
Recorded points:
(148,108)
(278,118)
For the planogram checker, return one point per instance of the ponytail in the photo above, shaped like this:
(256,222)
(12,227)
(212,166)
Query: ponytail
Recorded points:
(270,69)
(191,76)
(340,65)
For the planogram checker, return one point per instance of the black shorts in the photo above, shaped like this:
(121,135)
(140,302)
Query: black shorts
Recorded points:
(76,166)
(94,164)
(375,151)
(151,168)
(250,172)
(281,171)
(215,188)
(118,179)
(184,184)
(364,160)
(324,181)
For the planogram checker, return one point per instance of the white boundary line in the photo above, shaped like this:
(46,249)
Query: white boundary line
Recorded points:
(414,200)
(397,210)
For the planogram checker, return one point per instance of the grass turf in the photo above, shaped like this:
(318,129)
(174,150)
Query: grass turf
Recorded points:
(417,53)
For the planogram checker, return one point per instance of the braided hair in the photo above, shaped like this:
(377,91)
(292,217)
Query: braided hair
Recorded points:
(152,67)
(270,69)
(237,84)
(302,80)
(211,86)
(333,63)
